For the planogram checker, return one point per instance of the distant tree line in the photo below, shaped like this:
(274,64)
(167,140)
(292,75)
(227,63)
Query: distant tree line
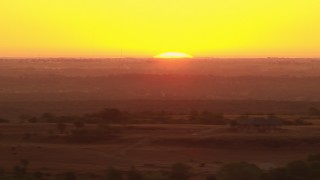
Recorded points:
(116,116)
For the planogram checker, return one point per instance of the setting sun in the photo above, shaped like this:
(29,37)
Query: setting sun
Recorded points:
(173,55)
(142,28)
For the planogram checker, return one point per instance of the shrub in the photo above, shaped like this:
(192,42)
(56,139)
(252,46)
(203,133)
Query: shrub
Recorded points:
(1,171)
(108,115)
(211,177)
(3,120)
(19,171)
(154,176)
(240,171)
(298,170)
(38,175)
(78,124)
(314,157)
(276,174)
(133,174)
(113,174)
(61,127)
(70,176)
(180,171)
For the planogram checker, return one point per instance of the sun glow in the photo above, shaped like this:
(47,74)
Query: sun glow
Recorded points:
(143,28)
(173,55)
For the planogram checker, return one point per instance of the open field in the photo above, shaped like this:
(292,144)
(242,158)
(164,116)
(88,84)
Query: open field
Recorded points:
(162,113)
(154,147)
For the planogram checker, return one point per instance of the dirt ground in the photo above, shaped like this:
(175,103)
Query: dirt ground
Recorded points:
(155,147)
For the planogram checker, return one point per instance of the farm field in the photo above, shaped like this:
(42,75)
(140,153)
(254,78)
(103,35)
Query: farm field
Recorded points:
(154,147)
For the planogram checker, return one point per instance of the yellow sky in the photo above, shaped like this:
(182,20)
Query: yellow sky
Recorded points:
(143,28)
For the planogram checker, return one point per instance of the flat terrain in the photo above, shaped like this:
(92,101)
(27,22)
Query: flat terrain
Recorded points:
(76,88)
(268,79)
(154,147)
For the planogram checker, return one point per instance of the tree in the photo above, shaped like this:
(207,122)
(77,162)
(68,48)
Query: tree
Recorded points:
(24,163)
(154,176)
(33,120)
(240,171)
(48,117)
(111,115)
(314,157)
(61,127)
(207,117)
(78,124)
(313,111)
(38,175)
(211,177)
(314,169)
(25,117)
(3,120)
(133,174)
(70,176)
(113,174)
(180,171)
(299,170)
(193,116)
(276,174)
(1,171)
(20,170)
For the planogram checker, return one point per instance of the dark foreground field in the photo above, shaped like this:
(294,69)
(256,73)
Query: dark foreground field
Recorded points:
(153,147)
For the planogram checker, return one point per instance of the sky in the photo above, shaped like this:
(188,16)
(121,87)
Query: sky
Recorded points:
(145,28)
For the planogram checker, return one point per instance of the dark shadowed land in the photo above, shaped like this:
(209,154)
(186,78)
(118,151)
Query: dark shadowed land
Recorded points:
(153,148)
(195,112)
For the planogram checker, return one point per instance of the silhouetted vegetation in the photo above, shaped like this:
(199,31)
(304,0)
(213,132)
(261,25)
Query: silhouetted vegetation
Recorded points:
(308,169)
(240,171)
(296,170)
(313,111)
(113,174)
(180,171)
(4,120)
(134,174)
(61,127)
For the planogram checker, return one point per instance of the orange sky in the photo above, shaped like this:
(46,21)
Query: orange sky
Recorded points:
(144,28)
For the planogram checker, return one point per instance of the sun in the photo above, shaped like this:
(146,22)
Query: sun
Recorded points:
(173,55)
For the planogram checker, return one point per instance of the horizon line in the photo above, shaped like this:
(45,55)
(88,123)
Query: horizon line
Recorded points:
(61,57)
